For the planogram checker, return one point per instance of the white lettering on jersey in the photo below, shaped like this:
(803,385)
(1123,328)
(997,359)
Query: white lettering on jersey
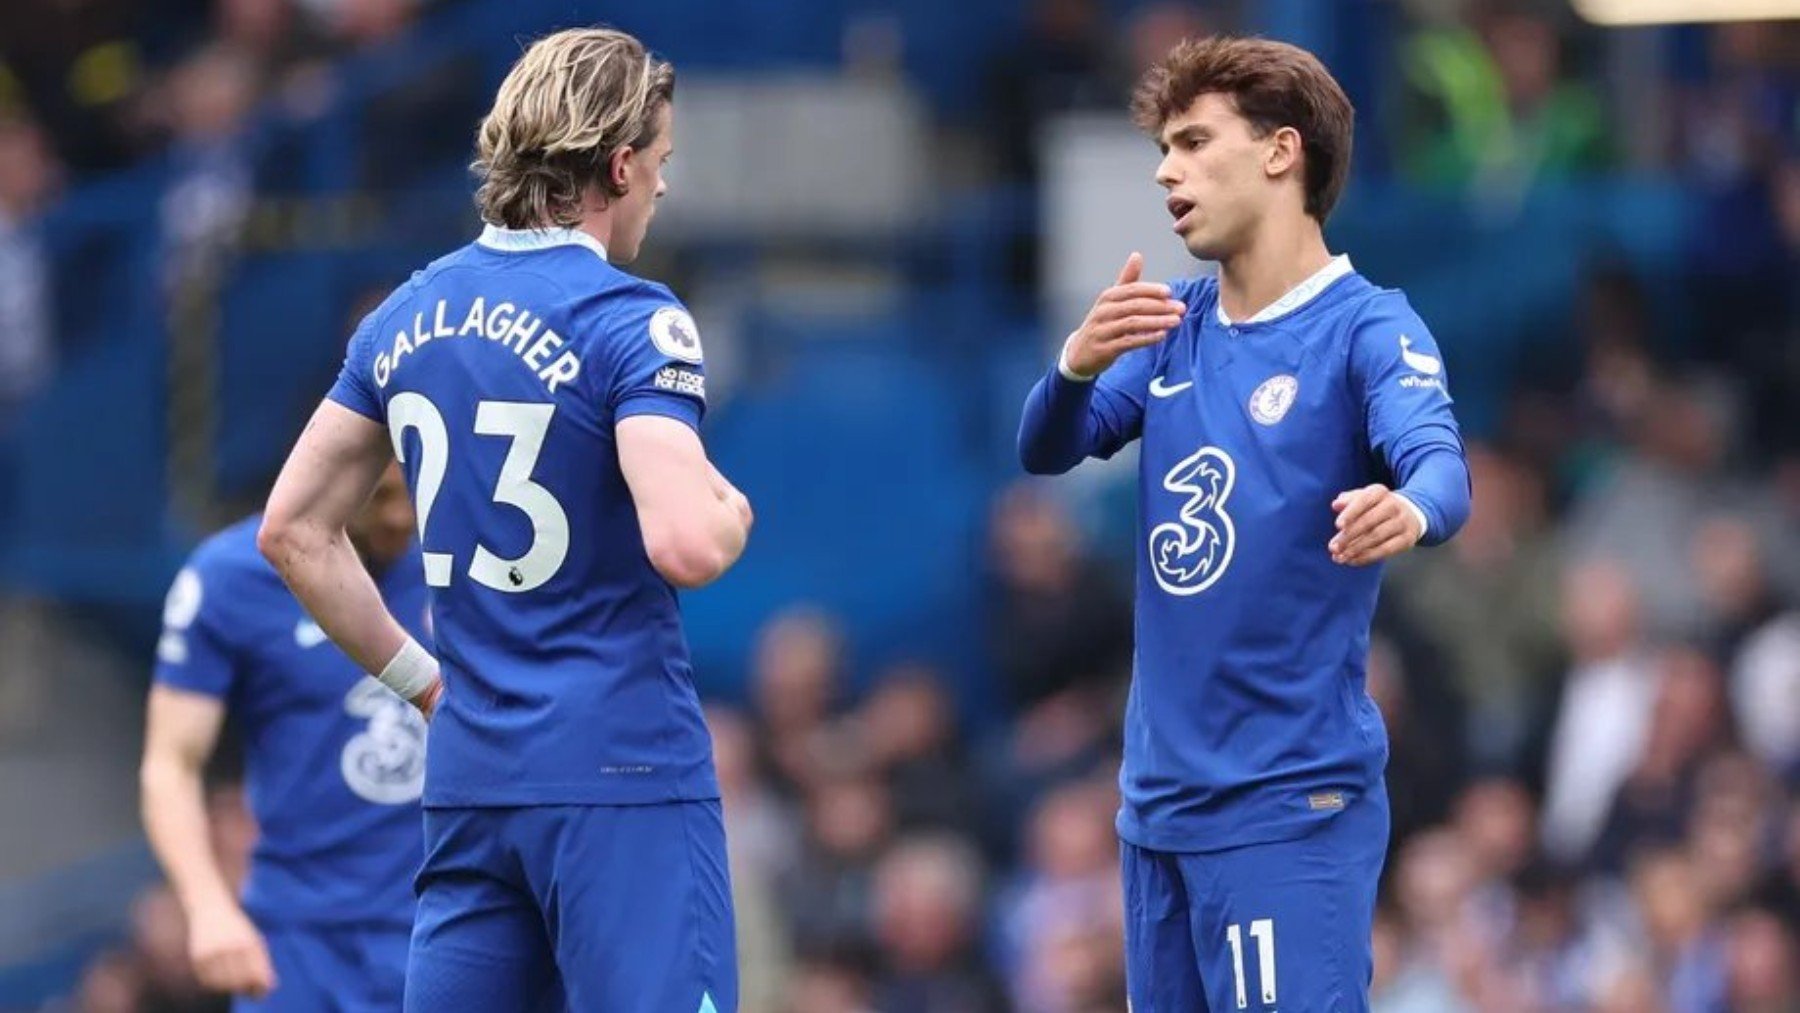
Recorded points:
(674,334)
(681,381)
(1188,555)
(384,764)
(180,608)
(514,328)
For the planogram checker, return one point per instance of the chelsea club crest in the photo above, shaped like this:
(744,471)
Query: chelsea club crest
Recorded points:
(1271,401)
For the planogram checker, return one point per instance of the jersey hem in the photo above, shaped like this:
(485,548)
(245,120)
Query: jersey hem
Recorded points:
(584,794)
(1186,841)
(362,410)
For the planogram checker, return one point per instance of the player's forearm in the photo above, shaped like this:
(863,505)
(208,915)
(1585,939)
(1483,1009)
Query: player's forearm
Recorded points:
(174,813)
(696,551)
(1435,477)
(1057,430)
(323,570)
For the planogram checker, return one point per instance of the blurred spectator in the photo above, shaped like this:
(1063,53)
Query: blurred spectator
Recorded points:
(830,985)
(1495,106)
(1732,127)
(1607,700)
(28,179)
(1425,755)
(1751,633)
(1157,27)
(927,908)
(269,32)
(1554,957)
(1497,823)
(1058,64)
(1730,829)
(1687,949)
(400,139)
(1485,606)
(907,727)
(1060,922)
(209,95)
(80,66)
(1059,634)
(1656,494)
(1445,959)
(1688,722)
(827,895)
(797,680)
(1407,980)
(362,24)
(1060,624)
(1764,971)
(112,984)
(758,822)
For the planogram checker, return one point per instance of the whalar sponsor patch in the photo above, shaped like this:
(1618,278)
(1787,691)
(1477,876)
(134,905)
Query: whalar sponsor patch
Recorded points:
(1325,800)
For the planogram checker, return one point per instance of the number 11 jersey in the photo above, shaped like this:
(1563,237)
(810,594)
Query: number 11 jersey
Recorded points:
(501,372)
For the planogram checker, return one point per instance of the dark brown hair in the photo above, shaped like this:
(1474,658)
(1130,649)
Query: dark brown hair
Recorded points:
(1273,85)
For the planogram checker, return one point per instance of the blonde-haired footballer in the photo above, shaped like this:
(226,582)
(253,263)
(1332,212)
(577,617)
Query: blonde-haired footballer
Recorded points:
(546,407)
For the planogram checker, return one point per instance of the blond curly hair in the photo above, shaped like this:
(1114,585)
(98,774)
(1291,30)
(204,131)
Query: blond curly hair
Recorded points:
(571,101)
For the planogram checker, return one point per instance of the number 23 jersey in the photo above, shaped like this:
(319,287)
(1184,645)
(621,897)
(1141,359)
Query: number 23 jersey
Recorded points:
(501,372)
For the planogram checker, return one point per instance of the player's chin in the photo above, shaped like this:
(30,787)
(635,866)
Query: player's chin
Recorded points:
(1201,246)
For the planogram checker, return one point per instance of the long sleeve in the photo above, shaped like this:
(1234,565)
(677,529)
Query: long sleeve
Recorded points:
(1436,479)
(1066,421)
(1410,426)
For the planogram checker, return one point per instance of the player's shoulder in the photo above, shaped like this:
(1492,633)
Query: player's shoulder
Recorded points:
(1374,305)
(637,309)
(1366,310)
(374,322)
(228,567)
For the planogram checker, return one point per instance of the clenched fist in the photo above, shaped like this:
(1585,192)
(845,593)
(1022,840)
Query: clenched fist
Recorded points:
(1373,523)
(228,953)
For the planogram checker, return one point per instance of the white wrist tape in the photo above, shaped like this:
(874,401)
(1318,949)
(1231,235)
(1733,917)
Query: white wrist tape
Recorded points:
(1067,371)
(1418,514)
(411,671)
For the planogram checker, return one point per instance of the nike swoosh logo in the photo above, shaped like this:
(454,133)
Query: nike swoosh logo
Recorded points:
(1160,389)
(1419,360)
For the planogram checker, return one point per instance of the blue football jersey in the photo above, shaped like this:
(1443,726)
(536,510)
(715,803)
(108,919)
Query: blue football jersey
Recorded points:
(334,761)
(501,371)
(1247,719)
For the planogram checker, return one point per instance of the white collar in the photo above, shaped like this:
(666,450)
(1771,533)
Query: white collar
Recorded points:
(525,240)
(1299,295)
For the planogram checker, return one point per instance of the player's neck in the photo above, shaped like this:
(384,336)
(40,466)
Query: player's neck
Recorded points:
(1269,267)
(598,223)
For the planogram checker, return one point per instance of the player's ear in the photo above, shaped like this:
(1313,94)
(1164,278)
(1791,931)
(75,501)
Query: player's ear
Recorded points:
(618,168)
(1284,151)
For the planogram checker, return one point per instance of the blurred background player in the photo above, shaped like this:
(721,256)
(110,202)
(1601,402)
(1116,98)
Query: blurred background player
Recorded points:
(334,763)
(1286,391)
(545,405)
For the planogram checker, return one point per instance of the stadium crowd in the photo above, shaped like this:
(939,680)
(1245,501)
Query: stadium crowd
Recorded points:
(1593,694)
